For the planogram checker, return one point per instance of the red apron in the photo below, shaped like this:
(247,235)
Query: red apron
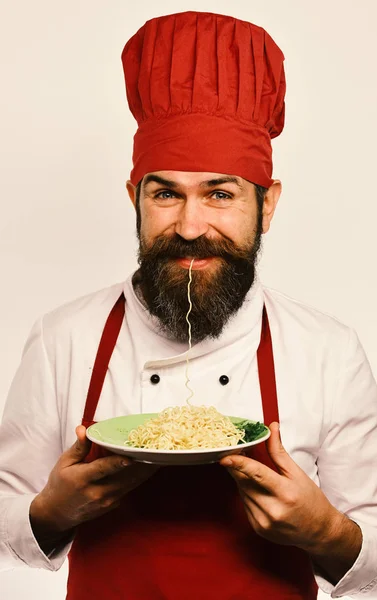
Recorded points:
(183,534)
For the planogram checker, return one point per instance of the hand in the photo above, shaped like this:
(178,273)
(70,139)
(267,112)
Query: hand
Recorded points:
(286,507)
(78,491)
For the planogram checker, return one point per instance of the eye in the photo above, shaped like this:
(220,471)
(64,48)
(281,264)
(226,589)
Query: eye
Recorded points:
(167,194)
(222,196)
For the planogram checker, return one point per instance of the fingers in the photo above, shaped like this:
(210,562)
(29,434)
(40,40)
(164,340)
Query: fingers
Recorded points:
(106,467)
(255,511)
(101,468)
(243,468)
(81,433)
(130,477)
(79,450)
(279,456)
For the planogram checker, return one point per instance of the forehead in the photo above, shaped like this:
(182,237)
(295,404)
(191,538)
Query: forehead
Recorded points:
(195,178)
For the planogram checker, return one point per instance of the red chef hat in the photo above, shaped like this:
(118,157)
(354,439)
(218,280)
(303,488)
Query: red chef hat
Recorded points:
(207,92)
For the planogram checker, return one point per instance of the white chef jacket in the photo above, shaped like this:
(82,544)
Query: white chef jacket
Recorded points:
(326,394)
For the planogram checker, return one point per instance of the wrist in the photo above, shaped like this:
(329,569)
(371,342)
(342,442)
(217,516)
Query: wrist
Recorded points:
(333,526)
(338,549)
(44,521)
(338,531)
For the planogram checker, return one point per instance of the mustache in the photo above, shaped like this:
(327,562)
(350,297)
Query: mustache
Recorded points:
(202,247)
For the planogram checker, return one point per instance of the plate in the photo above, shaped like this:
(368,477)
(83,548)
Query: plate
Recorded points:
(112,433)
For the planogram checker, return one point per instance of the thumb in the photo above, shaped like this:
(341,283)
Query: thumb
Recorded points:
(79,450)
(277,452)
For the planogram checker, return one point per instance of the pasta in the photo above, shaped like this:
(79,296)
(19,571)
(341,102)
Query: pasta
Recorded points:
(187,427)
(189,334)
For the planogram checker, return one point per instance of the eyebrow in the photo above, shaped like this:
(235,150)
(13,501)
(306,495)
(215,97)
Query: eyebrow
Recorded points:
(220,181)
(207,184)
(160,180)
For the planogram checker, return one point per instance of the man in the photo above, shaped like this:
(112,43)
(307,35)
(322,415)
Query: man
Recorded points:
(208,94)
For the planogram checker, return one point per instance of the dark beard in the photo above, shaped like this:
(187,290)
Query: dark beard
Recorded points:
(217,293)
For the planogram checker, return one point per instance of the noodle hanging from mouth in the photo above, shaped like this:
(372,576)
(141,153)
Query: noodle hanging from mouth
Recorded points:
(186,427)
(189,334)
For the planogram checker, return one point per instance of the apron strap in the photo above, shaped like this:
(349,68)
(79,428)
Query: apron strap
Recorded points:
(108,341)
(266,370)
(106,346)
(267,383)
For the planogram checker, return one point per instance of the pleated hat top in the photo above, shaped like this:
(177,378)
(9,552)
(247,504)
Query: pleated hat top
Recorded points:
(207,92)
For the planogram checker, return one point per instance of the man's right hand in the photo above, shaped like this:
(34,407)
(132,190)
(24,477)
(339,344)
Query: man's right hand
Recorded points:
(78,491)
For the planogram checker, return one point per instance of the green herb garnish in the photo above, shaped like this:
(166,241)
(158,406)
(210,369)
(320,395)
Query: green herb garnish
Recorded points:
(252,430)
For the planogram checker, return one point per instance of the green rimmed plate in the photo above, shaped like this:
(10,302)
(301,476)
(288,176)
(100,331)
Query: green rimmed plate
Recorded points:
(112,434)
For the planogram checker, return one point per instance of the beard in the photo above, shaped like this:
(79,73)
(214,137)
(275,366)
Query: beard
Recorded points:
(217,292)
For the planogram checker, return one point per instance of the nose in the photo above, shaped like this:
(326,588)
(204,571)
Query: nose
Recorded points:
(191,221)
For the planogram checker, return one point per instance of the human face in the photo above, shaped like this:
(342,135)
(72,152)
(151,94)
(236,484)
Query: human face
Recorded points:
(211,217)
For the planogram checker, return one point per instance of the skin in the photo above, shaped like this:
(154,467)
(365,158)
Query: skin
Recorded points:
(190,207)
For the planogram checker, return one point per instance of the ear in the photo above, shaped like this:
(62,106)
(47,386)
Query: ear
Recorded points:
(131,189)
(270,202)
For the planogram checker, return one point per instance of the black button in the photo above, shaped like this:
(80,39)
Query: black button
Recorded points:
(155,378)
(224,379)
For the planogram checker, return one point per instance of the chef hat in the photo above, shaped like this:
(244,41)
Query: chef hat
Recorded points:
(207,92)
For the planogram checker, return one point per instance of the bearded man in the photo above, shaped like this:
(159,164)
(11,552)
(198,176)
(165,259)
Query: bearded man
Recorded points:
(207,92)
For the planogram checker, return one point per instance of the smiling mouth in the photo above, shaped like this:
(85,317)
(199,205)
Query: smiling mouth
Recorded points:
(199,263)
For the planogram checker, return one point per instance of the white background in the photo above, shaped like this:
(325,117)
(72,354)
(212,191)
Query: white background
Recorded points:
(67,227)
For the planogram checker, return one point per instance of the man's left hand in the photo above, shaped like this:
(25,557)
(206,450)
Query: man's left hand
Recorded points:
(285,507)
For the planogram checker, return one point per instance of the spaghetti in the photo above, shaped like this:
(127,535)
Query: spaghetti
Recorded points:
(186,428)
(189,333)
